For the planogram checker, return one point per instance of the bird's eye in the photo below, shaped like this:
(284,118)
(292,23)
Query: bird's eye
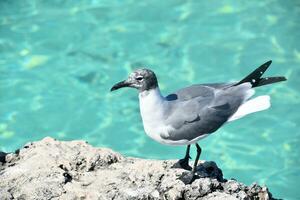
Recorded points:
(139,78)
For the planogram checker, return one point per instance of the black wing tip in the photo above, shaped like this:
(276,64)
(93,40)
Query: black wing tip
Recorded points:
(265,65)
(269,80)
(256,74)
(280,78)
(283,78)
(269,62)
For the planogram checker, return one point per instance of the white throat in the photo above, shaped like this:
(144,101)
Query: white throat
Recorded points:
(152,103)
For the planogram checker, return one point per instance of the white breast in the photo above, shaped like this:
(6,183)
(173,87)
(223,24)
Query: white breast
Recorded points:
(153,108)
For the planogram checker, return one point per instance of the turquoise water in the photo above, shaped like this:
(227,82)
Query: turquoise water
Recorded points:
(58,61)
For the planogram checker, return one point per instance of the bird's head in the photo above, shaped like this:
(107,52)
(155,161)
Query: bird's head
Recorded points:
(141,79)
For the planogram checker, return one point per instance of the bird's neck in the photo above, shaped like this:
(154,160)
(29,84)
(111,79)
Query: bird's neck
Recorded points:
(152,96)
(152,93)
(152,103)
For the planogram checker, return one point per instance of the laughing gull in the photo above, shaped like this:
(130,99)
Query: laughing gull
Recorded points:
(194,112)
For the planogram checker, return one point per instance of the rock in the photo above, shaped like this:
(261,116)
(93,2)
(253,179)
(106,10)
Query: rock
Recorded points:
(51,169)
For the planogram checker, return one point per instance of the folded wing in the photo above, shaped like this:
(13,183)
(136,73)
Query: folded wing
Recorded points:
(203,109)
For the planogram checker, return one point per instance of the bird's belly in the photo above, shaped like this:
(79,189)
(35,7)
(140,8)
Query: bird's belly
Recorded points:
(160,132)
(155,130)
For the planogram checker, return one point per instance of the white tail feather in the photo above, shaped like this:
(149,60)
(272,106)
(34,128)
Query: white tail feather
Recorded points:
(253,105)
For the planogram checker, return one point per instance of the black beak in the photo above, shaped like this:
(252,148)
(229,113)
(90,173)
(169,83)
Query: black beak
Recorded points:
(120,85)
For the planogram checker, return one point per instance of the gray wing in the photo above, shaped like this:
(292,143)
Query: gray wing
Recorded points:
(197,90)
(202,109)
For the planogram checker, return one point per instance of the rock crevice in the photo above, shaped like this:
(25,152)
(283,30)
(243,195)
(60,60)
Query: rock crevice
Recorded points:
(51,169)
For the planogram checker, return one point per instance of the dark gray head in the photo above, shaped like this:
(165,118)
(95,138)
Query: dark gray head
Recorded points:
(141,79)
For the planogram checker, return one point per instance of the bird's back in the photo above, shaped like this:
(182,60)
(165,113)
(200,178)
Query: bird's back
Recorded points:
(194,91)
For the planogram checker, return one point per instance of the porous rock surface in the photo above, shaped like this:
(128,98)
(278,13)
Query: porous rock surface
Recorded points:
(51,169)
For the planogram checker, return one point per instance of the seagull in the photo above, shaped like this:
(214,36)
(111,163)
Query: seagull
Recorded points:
(192,113)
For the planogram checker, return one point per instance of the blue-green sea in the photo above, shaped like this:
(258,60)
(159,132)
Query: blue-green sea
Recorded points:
(59,59)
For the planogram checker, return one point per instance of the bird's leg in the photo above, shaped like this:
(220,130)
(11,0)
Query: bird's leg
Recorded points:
(193,173)
(189,177)
(197,158)
(184,163)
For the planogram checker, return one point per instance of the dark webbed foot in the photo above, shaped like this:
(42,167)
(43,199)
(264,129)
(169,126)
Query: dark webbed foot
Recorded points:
(184,164)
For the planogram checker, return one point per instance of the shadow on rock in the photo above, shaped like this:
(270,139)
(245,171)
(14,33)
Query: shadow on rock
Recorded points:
(206,169)
(2,157)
